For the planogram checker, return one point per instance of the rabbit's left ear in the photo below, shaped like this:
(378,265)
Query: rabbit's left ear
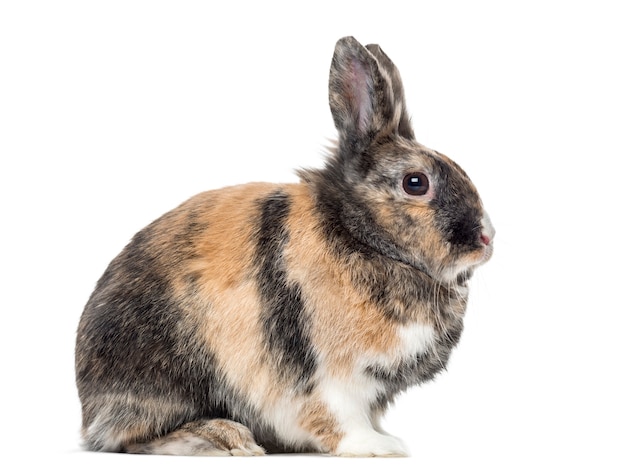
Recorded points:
(366,98)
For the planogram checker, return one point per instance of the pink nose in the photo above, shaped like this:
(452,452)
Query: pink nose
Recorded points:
(485,239)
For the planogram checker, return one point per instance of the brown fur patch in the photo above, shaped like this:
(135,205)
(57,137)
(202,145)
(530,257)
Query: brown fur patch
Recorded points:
(320,423)
(221,252)
(346,325)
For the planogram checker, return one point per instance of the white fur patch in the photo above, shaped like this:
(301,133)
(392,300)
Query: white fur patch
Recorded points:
(367,442)
(283,418)
(349,401)
(102,436)
(414,339)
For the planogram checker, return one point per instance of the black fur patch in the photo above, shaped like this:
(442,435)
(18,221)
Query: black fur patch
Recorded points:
(347,220)
(128,326)
(284,319)
(132,340)
(457,216)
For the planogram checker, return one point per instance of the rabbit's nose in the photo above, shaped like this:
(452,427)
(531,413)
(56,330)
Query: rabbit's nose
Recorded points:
(488,232)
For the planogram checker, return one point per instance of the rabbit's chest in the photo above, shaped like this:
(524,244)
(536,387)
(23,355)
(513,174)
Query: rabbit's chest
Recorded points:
(422,353)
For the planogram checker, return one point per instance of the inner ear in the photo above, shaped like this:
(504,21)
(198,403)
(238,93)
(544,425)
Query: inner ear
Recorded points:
(361,90)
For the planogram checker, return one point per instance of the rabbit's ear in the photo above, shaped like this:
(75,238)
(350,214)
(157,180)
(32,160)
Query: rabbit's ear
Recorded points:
(404,125)
(361,94)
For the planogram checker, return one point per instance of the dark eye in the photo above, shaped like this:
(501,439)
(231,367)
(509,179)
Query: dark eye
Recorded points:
(415,183)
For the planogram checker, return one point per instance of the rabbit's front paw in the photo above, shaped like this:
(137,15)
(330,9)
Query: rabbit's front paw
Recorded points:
(371,443)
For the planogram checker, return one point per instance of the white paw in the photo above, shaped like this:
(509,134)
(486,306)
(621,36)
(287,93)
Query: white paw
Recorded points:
(371,443)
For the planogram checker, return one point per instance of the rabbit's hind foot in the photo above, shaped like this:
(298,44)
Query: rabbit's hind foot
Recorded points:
(215,437)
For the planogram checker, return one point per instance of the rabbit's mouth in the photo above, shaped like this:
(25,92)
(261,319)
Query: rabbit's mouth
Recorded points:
(464,263)
(487,250)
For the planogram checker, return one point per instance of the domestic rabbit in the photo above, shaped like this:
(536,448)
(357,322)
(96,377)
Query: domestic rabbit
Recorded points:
(287,317)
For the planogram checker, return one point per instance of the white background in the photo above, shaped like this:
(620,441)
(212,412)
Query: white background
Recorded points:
(112,113)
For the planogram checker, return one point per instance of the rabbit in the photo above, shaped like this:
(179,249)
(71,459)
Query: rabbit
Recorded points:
(286,318)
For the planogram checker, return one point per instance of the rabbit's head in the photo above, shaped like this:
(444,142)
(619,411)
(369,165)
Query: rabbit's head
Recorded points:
(385,191)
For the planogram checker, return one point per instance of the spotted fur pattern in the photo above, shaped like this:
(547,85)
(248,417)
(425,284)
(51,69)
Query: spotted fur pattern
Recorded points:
(286,317)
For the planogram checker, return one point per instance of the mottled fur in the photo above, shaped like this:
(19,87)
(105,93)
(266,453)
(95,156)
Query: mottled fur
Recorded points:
(288,316)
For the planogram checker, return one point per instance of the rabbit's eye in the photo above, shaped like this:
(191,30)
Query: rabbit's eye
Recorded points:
(415,183)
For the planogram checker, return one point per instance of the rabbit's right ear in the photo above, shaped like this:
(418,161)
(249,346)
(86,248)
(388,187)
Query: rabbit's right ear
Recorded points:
(361,96)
